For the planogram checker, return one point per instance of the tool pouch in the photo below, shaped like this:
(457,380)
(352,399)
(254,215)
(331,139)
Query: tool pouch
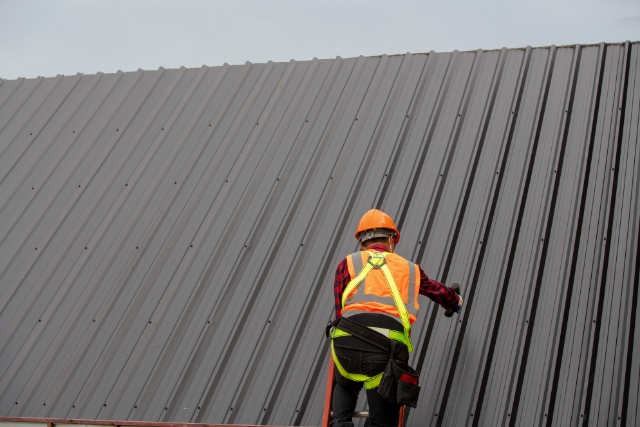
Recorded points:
(399,384)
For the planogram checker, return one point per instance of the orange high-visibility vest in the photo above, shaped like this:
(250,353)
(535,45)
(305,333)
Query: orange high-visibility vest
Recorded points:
(374,295)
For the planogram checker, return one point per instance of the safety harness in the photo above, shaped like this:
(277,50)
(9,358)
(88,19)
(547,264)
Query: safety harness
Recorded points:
(348,328)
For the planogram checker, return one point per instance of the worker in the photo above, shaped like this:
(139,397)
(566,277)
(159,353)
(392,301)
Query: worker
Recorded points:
(371,332)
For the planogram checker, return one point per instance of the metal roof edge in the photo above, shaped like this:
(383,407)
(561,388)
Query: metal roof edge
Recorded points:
(370,56)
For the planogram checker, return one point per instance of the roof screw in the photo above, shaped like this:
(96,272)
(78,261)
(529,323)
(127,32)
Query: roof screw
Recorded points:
(162,128)
(117,130)
(209,124)
(136,406)
(105,404)
(198,407)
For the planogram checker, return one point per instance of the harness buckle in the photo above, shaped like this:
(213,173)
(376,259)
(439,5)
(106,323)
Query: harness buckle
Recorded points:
(377,260)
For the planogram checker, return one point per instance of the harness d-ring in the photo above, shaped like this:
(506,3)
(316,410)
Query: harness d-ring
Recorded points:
(379,260)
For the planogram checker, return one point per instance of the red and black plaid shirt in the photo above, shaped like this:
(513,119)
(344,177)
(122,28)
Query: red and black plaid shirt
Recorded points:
(435,291)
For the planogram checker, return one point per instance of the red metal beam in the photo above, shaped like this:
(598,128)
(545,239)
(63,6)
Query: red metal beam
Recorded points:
(52,421)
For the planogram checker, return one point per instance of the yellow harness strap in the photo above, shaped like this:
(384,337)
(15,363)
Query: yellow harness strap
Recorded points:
(376,261)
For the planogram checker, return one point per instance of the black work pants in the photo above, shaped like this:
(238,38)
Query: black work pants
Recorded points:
(345,393)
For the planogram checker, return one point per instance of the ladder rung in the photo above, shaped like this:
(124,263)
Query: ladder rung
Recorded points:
(357,414)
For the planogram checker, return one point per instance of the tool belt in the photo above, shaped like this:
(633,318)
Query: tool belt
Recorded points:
(398,383)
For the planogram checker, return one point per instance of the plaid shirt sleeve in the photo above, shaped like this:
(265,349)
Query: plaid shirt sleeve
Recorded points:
(437,292)
(339,283)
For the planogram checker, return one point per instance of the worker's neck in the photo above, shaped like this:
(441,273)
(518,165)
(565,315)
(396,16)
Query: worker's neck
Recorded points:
(366,247)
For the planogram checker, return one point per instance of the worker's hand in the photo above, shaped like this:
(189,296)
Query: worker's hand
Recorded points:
(456,289)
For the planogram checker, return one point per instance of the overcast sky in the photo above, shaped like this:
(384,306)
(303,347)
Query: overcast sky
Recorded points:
(46,38)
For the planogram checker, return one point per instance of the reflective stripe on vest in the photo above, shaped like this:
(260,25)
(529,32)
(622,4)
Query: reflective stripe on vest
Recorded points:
(373,294)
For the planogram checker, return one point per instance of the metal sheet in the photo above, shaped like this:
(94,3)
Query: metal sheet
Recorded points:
(188,223)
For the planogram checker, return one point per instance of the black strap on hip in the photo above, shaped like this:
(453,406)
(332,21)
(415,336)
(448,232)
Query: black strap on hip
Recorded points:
(365,334)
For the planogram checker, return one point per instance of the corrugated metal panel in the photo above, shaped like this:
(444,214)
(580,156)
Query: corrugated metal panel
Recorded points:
(168,238)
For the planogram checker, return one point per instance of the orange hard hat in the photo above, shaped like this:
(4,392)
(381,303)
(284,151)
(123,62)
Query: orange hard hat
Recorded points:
(376,219)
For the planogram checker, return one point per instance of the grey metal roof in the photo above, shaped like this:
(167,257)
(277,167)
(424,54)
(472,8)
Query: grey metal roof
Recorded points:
(168,238)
